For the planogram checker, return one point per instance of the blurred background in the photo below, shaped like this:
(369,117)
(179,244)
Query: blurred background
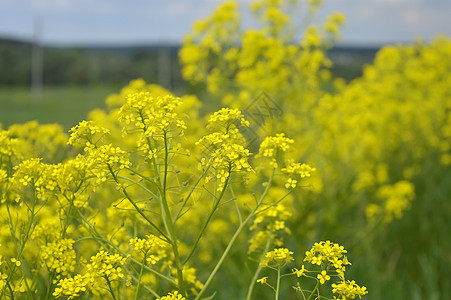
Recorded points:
(60,58)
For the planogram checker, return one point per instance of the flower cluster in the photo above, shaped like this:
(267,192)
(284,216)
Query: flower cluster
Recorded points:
(279,257)
(273,145)
(73,287)
(48,230)
(39,140)
(296,171)
(103,265)
(8,147)
(152,118)
(173,296)
(152,248)
(271,222)
(226,151)
(226,117)
(348,290)
(59,257)
(29,173)
(86,133)
(69,175)
(334,23)
(101,160)
(397,198)
(326,253)
(153,115)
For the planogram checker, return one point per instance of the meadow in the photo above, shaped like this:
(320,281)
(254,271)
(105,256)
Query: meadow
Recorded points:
(271,180)
(64,105)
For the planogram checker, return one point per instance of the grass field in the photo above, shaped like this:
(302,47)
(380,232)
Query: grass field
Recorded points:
(65,105)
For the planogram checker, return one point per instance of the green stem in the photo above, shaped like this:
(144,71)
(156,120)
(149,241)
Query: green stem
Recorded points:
(210,215)
(139,210)
(223,257)
(49,290)
(278,283)
(100,238)
(20,248)
(236,205)
(168,219)
(179,213)
(144,286)
(259,268)
(234,237)
(314,290)
(139,184)
(140,276)
(11,291)
(110,288)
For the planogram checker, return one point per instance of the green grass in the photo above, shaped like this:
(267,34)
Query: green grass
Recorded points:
(66,105)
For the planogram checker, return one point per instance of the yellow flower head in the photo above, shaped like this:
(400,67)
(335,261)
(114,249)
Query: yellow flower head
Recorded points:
(271,145)
(279,257)
(86,133)
(173,296)
(349,289)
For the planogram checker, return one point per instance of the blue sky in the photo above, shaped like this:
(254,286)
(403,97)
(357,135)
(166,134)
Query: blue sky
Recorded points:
(75,22)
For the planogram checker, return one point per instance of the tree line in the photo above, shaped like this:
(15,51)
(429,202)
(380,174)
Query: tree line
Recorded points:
(118,65)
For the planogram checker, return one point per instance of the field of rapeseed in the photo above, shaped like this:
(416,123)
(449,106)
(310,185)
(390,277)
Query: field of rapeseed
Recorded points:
(301,187)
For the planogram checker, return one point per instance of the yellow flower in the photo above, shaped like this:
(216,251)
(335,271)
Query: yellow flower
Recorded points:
(263,280)
(16,262)
(280,257)
(173,296)
(272,144)
(327,254)
(300,272)
(323,277)
(86,133)
(59,256)
(349,289)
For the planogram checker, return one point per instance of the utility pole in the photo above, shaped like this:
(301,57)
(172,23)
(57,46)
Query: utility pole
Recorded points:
(36,57)
(164,66)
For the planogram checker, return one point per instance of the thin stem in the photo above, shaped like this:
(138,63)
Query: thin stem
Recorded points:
(275,203)
(168,219)
(49,290)
(139,184)
(140,276)
(235,236)
(10,291)
(179,213)
(20,248)
(144,286)
(100,238)
(236,205)
(259,268)
(314,290)
(210,215)
(139,210)
(110,288)
(278,283)
(223,257)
